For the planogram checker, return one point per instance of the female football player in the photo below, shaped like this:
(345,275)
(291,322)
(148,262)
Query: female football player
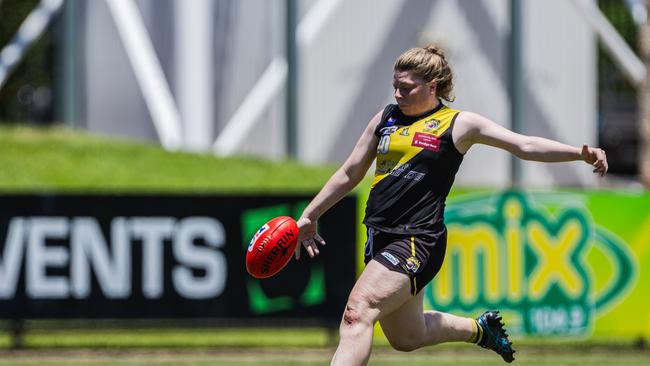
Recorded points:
(418,145)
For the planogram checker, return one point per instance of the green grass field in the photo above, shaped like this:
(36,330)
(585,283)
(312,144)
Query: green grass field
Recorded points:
(441,355)
(280,346)
(62,161)
(47,344)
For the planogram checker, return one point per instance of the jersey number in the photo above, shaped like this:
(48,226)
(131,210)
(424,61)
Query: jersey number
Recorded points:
(382,148)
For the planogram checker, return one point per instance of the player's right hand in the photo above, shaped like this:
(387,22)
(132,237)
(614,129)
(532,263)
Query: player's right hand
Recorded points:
(308,237)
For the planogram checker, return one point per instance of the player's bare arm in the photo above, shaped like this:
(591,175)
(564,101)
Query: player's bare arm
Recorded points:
(472,128)
(342,181)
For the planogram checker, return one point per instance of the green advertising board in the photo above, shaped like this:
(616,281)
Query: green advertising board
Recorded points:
(569,263)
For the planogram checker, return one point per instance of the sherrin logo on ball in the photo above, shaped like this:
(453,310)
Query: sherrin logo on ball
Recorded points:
(271,247)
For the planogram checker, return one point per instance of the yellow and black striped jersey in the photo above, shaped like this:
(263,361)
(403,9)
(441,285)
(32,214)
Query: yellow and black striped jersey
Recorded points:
(415,168)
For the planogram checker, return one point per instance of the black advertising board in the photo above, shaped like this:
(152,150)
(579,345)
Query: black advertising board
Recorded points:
(163,256)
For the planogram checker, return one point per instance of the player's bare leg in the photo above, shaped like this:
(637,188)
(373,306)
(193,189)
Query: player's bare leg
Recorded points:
(409,328)
(378,291)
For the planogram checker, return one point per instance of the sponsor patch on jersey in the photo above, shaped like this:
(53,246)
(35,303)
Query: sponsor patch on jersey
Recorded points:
(385,166)
(426,141)
(391,121)
(391,258)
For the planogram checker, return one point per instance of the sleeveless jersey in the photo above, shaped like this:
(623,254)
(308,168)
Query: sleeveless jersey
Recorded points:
(415,168)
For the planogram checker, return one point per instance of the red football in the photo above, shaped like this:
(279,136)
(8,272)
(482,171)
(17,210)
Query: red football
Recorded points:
(271,247)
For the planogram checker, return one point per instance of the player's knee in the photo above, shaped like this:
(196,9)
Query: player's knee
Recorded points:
(353,313)
(356,310)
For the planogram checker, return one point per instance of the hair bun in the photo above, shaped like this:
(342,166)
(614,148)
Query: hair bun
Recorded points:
(435,50)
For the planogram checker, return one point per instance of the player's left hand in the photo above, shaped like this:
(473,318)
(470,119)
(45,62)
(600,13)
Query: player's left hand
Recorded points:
(596,157)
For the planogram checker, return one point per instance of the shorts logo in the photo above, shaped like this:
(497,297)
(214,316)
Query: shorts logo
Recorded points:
(426,141)
(413,264)
(391,258)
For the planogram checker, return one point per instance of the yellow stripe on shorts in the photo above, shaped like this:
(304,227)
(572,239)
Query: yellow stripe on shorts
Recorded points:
(415,284)
(413,245)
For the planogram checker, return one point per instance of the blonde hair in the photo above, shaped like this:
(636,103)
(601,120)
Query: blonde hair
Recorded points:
(430,64)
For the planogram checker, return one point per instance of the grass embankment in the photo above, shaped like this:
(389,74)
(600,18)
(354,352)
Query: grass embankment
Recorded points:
(57,159)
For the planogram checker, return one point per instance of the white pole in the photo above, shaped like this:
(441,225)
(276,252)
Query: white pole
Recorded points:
(148,72)
(194,71)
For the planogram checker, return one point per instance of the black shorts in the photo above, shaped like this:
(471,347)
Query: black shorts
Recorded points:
(418,256)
